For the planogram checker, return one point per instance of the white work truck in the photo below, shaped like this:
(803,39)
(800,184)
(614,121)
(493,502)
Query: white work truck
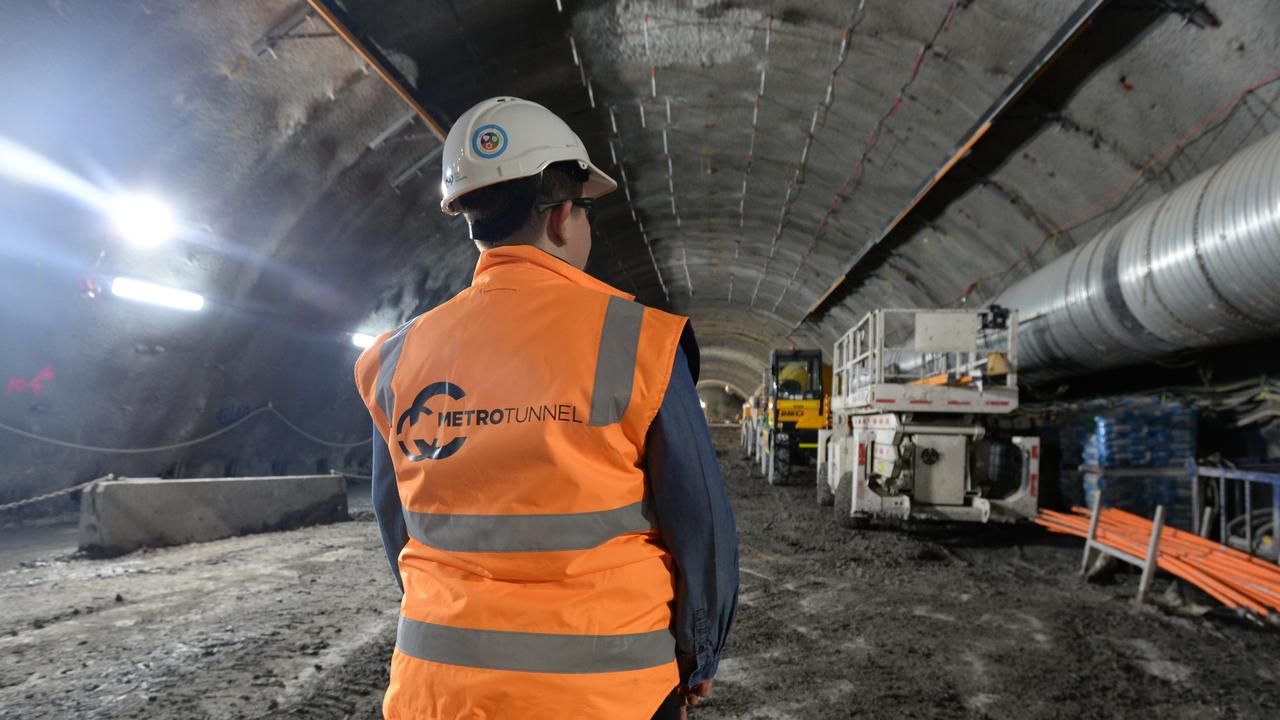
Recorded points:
(907,441)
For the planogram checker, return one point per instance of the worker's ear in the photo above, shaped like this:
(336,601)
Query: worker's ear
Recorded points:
(558,224)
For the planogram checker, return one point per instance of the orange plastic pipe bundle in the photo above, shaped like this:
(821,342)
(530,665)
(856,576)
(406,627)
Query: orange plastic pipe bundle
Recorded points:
(1234,578)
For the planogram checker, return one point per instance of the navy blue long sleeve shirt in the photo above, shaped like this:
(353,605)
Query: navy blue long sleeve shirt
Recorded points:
(696,524)
(694,521)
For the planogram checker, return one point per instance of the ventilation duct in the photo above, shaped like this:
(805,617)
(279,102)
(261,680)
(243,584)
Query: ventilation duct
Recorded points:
(1197,268)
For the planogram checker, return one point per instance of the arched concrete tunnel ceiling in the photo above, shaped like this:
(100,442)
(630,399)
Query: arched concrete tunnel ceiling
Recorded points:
(311,207)
(761,145)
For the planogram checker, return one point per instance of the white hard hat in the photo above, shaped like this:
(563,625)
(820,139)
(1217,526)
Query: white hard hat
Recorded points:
(506,138)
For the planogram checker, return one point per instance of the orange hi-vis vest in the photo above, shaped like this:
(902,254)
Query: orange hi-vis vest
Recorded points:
(516,414)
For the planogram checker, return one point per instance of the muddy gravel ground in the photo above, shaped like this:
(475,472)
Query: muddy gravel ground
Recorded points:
(941,622)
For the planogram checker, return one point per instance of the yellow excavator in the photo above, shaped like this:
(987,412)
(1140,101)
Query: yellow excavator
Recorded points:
(798,385)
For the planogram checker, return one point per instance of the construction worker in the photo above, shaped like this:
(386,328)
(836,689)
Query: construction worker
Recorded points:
(544,478)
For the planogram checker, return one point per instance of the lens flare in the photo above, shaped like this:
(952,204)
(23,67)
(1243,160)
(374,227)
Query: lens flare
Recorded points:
(142,220)
(156,294)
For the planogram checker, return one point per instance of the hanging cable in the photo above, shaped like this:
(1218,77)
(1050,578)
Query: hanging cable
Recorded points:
(135,451)
(293,426)
(268,408)
(1100,206)
(54,494)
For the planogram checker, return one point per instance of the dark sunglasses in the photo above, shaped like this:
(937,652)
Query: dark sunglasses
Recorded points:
(586,203)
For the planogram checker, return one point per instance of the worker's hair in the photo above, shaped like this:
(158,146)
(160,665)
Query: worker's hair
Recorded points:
(505,214)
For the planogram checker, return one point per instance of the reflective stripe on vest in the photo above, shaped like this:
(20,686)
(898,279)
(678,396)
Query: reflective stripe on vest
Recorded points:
(527,533)
(388,358)
(534,652)
(616,361)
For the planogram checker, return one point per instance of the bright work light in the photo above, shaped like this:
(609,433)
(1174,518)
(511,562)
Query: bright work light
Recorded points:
(142,220)
(361,340)
(156,294)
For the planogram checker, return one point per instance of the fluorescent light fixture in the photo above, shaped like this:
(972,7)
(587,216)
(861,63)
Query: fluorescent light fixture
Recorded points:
(142,220)
(361,340)
(156,294)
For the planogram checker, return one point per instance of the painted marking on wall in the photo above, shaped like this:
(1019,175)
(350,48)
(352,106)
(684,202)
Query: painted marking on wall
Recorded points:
(35,384)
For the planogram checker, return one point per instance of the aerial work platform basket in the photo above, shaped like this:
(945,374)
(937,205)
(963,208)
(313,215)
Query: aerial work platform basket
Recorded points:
(928,361)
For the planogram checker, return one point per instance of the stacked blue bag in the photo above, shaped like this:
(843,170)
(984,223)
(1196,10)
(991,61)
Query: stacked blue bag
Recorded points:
(1129,434)
(1062,426)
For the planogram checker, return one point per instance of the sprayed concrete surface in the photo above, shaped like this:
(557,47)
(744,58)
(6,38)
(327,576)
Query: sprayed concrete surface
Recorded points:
(832,624)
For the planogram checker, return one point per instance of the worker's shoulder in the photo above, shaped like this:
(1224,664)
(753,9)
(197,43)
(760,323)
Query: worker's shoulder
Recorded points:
(664,314)
(396,336)
(372,355)
(670,319)
(661,327)
(651,313)
(455,309)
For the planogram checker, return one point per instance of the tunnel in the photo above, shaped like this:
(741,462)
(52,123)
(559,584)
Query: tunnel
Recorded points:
(983,275)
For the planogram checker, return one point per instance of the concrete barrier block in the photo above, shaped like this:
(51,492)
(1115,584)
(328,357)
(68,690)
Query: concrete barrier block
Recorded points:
(122,515)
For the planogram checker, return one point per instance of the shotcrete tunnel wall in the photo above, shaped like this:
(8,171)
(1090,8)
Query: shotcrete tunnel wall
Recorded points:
(301,233)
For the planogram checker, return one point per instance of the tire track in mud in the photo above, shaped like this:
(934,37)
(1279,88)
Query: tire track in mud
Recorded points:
(348,690)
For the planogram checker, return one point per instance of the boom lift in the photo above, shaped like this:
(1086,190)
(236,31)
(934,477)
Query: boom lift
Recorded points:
(797,404)
(907,438)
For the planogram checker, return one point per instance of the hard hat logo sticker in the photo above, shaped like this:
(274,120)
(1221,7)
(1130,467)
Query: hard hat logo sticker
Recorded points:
(489,141)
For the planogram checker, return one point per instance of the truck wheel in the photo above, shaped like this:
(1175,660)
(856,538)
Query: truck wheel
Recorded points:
(779,464)
(825,496)
(843,506)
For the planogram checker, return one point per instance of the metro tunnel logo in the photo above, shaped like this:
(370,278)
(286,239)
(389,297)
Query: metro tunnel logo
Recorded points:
(419,449)
(419,410)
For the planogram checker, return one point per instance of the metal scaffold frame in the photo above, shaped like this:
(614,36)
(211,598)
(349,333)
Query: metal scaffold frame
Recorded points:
(1247,480)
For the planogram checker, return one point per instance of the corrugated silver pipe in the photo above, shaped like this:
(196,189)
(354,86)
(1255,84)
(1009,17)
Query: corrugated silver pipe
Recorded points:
(1197,268)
